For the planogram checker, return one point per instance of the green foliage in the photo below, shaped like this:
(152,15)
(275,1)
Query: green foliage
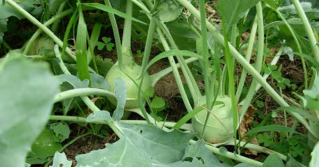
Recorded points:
(167,10)
(106,43)
(61,130)
(44,147)
(23,114)
(234,10)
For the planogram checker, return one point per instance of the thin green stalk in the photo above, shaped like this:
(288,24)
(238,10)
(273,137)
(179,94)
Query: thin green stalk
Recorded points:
(292,32)
(175,72)
(127,58)
(247,57)
(67,145)
(116,33)
(230,70)
(245,64)
(47,23)
(157,76)
(81,92)
(112,125)
(65,70)
(55,26)
(230,155)
(205,62)
(39,24)
(259,61)
(205,53)
(308,28)
(190,80)
(148,46)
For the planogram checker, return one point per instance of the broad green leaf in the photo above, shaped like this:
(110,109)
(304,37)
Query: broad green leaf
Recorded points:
(55,4)
(7,11)
(198,152)
(73,80)
(158,104)
(272,3)
(168,10)
(311,96)
(99,116)
(81,48)
(60,160)
(27,92)
(232,10)
(97,81)
(120,95)
(183,34)
(273,160)
(315,154)
(140,145)
(62,130)
(45,146)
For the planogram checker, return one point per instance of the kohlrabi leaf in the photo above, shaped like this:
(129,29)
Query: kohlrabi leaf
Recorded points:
(232,10)
(120,95)
(61,160)
(273,160)
(97,81)
(44,147)
(7,11)
(100,116)
(81,48)
(73,80)
(314,154)
(198,152)
(311,96)
(61,130)
(272,3)
(140,145)
(168,10)
(27,93)
(55,4)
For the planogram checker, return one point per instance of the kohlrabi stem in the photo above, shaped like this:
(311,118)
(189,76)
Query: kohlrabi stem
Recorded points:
(309,31)
(247,57)
(175,72)
(39,31)
(39,24)
(65,70)
(56,23)
(257,148)
(190,80)
(260,57)
(81,92)
(231,81)
(230,155)
(116,33)
(157,76)
(205,55)
(205,63)
(292,32)
(127,57)
(245,64)
(83,120)
(148,45)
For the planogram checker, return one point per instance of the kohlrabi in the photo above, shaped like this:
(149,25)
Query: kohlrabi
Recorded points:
(129,74)
(125,67)
(219,127)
